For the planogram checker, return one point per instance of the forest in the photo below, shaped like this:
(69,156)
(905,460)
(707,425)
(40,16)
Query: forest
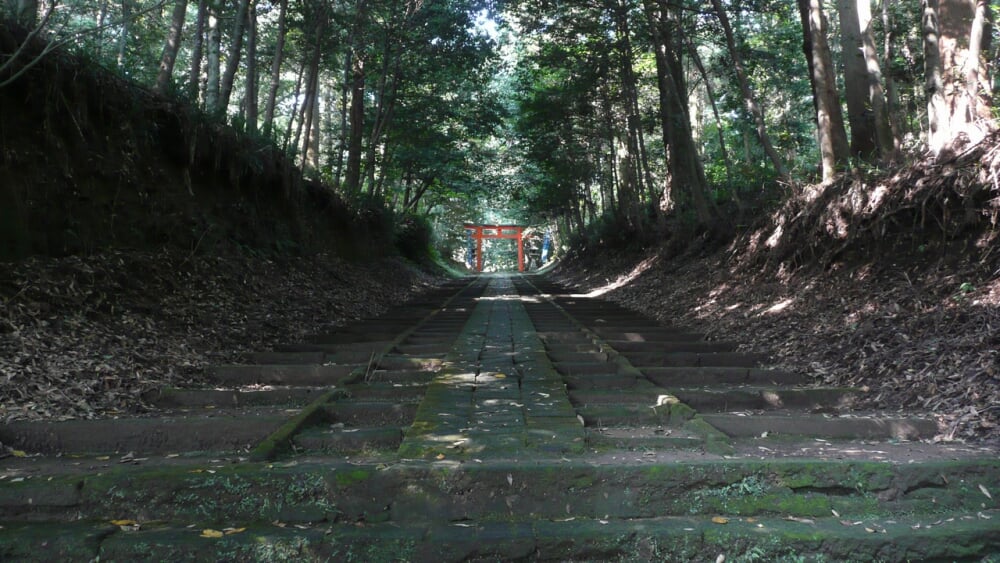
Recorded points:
(790,135)
(604,119)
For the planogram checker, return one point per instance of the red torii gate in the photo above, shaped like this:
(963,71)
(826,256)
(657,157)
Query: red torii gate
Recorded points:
(480,232)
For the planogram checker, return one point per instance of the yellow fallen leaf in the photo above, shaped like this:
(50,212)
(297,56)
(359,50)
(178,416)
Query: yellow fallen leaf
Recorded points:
(500,376)
(210,533)
(196,471)
(18,453)
(124,522)
(440,456)
(231,531)
(751,520)
(720,520)
(103,457)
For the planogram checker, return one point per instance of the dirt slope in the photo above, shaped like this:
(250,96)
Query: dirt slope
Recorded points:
(888,282)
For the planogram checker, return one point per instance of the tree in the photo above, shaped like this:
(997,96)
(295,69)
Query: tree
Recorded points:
(958,88)
(857,82)
(171,46)
(748,97)
(829,119)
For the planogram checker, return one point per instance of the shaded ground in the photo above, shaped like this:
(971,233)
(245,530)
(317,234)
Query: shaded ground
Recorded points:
(920,331)
(84,336)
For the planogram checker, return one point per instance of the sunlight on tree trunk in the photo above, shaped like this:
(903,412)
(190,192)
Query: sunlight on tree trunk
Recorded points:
(830,130)
(958,90)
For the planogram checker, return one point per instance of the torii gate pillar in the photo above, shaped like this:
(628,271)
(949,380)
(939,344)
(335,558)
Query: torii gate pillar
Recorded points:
(480,232)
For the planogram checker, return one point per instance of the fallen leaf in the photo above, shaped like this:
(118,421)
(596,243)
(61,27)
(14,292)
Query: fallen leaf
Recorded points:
(124,522)
(985,491)
(18,453)
(231,531)
(210,533)
(720,520)
(440,456)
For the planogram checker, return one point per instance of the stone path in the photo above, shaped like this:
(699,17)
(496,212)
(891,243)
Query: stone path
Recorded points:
(499,418)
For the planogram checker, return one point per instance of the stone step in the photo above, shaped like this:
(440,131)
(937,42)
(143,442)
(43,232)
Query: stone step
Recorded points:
(606,381)
(218,430)
(648,348)
(690,359)
(645,438)
(370,415)
(174,397)
(573,356)
(657,334)
(329,439)
(875,427)
(295,358)
(672,377)
(767,398)
(577,369)
(404,376)
(282,374)
(386,391)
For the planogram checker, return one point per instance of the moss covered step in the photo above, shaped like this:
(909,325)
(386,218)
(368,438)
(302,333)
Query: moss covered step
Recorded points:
(563,539)
(282,374)
(208,430)
(315,490)
(767,398)
(823,426)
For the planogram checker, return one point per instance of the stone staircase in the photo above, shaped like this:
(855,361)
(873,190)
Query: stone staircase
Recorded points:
(499,418)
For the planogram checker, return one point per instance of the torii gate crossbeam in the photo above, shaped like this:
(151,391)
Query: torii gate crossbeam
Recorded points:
(480,232)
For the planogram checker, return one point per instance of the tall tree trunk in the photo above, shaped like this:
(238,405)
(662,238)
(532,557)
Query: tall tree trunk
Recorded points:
(214,56)
(233,57)
(123,40)
(279,54)
(723,149)
(251,88)
(856,80)
(345,89)
(958,105)
(830,129)
(886,144)
(683,163)
(352,177)
(171,46)
(194,76)
(749,100)
(295,107)
(891,91)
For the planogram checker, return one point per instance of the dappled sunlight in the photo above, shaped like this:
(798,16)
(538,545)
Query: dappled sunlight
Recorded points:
(622,280)
(521,298)
(779,306)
